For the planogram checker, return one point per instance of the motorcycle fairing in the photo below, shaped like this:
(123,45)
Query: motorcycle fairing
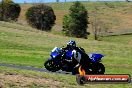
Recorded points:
(95,57)
(55,52)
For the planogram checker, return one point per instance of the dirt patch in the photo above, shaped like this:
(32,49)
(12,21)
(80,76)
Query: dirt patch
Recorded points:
(14,80)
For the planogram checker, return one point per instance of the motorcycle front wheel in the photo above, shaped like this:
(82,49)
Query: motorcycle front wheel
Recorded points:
(51,66)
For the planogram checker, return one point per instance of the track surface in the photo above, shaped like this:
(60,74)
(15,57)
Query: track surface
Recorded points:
(32,68)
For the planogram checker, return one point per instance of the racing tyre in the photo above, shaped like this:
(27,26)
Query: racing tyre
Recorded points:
(51,66)
(80,80)
(99,68)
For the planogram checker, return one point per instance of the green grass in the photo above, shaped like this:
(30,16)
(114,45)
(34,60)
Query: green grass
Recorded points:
(23,45)
(26,46)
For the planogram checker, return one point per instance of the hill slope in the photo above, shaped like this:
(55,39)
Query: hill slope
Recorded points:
(112,17)
(22,45)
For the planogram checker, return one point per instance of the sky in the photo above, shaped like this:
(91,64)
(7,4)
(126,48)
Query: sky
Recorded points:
(46,1)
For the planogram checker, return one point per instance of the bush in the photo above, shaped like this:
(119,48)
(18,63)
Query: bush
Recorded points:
(9,11)
(41,17)
(75,23)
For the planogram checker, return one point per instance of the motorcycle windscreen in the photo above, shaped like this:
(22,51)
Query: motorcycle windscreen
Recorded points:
(55,52)
(96,57)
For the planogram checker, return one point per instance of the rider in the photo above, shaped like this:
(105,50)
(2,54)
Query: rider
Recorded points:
(71,45)
(78,54)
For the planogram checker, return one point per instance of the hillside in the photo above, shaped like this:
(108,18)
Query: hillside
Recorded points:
(112,17)
(26,46)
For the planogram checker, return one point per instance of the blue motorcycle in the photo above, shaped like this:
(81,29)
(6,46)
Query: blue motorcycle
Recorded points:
(61,60)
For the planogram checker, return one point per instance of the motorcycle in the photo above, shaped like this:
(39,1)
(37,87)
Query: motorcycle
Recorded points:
(61,60)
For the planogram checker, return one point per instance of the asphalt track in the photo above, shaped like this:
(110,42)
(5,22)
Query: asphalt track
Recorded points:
(33,68)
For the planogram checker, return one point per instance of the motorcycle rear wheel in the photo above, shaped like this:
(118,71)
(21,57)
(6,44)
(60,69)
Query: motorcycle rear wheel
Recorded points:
(99,68)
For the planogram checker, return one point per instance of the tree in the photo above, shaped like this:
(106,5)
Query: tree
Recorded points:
(41,17)
(95,24)
(99,26)
(9,10)
(75,23)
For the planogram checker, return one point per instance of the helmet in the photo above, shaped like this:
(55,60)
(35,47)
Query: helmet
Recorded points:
(71,44)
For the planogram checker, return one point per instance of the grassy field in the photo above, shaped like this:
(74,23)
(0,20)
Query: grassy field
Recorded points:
(22,45)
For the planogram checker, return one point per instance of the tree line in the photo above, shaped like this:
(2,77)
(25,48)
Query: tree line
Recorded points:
(42,17)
